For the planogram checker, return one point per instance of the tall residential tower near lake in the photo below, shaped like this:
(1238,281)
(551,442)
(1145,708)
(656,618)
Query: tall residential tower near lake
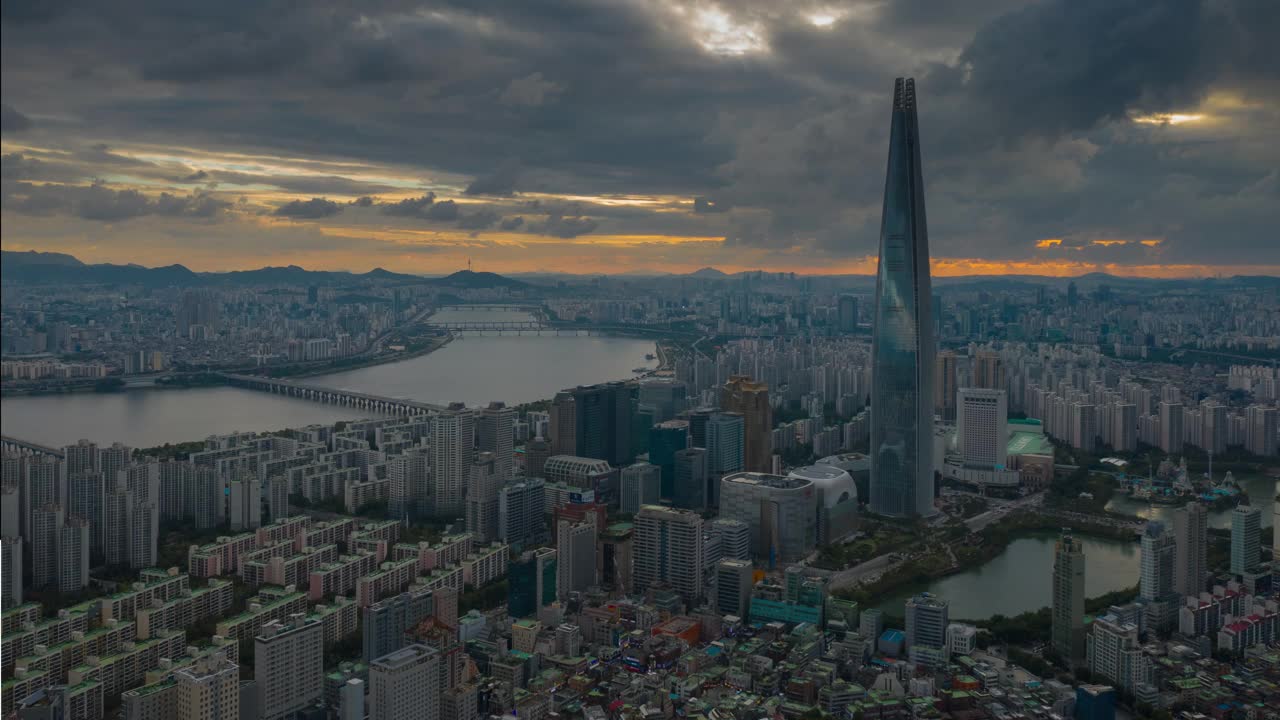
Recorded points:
(902,355)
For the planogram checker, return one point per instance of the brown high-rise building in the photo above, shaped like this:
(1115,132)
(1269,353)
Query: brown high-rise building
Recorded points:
(743,395)
(564,424)
(944,385)
(988,370)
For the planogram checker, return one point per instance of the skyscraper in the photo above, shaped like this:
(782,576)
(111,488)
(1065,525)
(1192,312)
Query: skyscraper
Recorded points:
(691,479)
(641,485)
(1190,535)
(576,557)
(665,439)
(847,312)
(1068,599)
(1246,529)
(751,399)
(602,422)
(902,355)
(944,386)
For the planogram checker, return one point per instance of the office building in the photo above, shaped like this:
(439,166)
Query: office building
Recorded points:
(288,665)
(982,428)
(450,457)
(733,587)
(536,452)
(733,538)
(780,513)
(1095,702)
(902,355)
(837,503)
(563,424)
(532,582)
(582,473)
(576,557)
(667,398)
(387,621)
(926,630)
(665,440)
(641,485)
(602,422)
(1068,600)
(495,433)
(1246,531)
(1191,544)
(723,435)
(750,399)
(690,479)
(406,683)
(668,551)
(944,384)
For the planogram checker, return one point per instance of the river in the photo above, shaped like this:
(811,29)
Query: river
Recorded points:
(1021,578)
(475,368)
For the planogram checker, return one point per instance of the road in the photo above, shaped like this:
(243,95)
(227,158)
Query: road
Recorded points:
(375,347)
(979,522)
(854,575)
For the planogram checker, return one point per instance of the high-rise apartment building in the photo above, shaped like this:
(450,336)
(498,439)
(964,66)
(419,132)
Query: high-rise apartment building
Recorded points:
(988,370)
(1190,535)
(1214,427)
(495,433)
(44,482)
(576,557)
(244,502)
(847,313)
(207,689)
(902,354)
(1068,599)
(87,498)
(1260,430)
(11,588)
(522,512)
(288,665)
(982,428)
(1156,580)
(750,399)
(450,458)
(1171,427)
(387,621)
(482,498)
(668,550)
(410,494)
(1246,531)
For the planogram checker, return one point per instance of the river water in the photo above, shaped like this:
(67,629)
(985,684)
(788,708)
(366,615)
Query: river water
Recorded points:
(474,369)
(1021,578)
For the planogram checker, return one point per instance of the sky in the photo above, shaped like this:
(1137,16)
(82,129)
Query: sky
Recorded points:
(1059,137)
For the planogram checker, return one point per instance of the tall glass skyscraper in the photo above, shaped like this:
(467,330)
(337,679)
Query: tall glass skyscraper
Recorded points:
(902,341)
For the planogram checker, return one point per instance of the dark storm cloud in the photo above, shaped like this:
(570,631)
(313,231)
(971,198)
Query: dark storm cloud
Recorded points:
(12,121)
(1022,108)
(499,182)
(103,203)
(312,209)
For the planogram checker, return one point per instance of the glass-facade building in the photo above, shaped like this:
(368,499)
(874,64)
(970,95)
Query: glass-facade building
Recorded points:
(902,341)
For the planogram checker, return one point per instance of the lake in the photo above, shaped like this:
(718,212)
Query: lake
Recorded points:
(1021,578)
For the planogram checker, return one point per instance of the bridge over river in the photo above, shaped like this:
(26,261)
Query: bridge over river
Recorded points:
(332,396)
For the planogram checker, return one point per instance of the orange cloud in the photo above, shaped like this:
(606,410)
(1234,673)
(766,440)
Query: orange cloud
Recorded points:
(1048,243)
(1152,242)
(1108,243)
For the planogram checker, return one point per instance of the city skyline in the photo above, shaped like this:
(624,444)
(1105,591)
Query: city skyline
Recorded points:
(732,135)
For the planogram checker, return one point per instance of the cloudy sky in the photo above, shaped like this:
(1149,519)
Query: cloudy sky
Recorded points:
(1059,136)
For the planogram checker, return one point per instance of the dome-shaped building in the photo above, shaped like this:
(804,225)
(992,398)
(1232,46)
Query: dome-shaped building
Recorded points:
(837,504)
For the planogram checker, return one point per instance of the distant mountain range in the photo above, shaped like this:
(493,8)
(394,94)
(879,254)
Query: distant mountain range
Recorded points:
(34,268)
(37,268)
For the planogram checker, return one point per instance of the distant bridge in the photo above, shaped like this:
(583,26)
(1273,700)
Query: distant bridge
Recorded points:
(505,307)
(489,325)
(318,393)
(12,444)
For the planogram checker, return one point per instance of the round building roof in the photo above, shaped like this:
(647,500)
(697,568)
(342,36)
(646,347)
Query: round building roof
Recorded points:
(837,485)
